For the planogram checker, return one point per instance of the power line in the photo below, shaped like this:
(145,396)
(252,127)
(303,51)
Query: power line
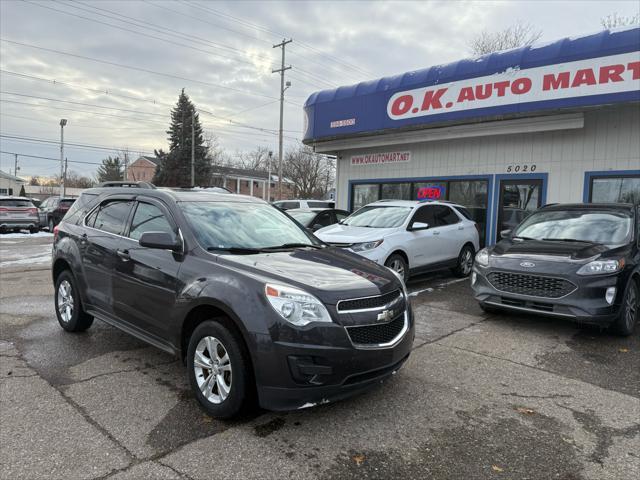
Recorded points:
(48,158)
(79,145)
(139,69)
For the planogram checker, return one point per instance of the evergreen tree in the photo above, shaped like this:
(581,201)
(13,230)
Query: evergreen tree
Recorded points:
(22,192)
(175,166)
(111,169)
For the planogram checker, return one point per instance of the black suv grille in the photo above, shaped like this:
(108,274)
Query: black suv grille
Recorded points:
(368,302)
(532,285)
(376,334)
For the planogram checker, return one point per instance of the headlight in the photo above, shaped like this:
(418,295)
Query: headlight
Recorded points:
(482,258)
(601,267)
(361,247)
(296,306)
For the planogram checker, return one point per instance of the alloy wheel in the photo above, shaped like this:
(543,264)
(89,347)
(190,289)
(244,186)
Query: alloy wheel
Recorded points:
(65,301)
(212,368)
(397,267)
(466,262)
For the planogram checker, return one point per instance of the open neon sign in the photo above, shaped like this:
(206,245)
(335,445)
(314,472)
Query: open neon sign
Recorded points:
(430,193)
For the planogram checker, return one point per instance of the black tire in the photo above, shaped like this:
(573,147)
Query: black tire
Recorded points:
(74,319)
(51,225)
(398,264)
(629,310)
(465,262)
(33,230)
(239,376)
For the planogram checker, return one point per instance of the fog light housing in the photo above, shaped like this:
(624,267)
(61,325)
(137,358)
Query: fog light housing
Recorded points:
(610,295)
(474,276)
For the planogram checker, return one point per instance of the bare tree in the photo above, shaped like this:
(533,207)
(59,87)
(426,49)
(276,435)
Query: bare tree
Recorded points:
(34,180)
(312,174)
(518,35)
(614,20)
(257,159)
(75,180)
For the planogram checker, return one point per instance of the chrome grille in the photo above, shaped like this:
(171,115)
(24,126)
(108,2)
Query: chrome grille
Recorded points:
(366,303)
(531,285)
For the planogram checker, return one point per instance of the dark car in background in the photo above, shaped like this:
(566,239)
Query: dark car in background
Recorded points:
(53,209)
(577,261)
(17,213)
(253,302)
(291,204)
(316,218)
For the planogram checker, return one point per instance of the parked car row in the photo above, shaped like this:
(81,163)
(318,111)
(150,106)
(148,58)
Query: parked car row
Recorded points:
(265,307)
(22,213)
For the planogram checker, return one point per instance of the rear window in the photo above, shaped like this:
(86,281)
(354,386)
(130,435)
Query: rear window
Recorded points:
(66,203)
(320,204)
(465,213)
(10,202)
(80,206)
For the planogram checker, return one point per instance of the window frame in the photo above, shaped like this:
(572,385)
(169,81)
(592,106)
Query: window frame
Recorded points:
(156,203)
(613,176)
(114,198)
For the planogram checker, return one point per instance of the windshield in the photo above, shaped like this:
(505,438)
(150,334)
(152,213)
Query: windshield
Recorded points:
(377,216)
(234,225)
(605,227)
(303,217)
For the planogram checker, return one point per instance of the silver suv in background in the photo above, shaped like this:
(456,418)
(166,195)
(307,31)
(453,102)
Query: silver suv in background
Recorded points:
(17,213)
(291,204)
(409,236)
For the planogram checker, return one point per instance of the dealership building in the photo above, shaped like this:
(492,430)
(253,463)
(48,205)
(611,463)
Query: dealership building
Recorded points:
(501,134)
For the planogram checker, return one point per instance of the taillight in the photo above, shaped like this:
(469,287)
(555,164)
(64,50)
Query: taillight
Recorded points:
(33,211)
(3,211)
(55,232)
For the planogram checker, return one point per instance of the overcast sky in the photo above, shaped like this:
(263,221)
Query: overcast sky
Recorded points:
(221,53)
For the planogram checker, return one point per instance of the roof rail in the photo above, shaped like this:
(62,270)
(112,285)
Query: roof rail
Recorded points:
(126,184)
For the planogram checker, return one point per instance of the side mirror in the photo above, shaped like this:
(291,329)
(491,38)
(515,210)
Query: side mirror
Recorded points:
(505,233)
(316,227)
(160,240)
(418,226)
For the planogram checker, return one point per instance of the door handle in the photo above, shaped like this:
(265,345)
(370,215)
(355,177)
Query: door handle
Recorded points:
(436,232)
(124,255)
(460,228)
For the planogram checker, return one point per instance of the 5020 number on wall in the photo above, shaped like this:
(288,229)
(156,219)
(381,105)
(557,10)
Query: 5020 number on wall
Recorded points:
(521,168)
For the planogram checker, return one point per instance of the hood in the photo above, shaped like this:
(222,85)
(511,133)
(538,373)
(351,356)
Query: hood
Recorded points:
(331,274)
(347,234)
(573,250)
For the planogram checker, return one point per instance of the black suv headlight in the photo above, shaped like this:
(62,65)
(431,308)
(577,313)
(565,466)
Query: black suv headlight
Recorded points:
(599,267)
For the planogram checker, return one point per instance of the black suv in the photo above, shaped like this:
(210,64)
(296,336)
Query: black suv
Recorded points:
(577,261)
(52,210)
(252,301)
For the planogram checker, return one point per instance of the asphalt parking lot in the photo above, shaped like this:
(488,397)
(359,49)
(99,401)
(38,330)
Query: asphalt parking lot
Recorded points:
(482,396)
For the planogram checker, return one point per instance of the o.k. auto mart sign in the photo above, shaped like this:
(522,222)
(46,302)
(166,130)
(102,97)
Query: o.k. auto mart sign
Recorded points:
(596,76)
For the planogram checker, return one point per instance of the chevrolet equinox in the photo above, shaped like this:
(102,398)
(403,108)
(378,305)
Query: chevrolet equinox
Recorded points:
(254,304)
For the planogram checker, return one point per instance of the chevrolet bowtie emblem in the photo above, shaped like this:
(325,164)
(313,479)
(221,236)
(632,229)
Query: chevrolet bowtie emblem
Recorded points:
(385,316)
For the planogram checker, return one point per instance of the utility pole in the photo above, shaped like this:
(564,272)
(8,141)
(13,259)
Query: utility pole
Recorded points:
(269,178)
(63,122)
(126,165)
(15,165)
(281,70)
(64,182)
(193,150)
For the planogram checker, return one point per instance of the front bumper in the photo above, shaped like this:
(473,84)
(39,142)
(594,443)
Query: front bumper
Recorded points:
(586,304)
(291,375)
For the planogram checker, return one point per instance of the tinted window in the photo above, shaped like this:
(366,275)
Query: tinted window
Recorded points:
(6,202)
(465,213)
(319,204)
(323,219)
(111,215)
(341,215)
(66,202)
(81,205)
(444,215)
(148,218)
(304,217)
(425,215)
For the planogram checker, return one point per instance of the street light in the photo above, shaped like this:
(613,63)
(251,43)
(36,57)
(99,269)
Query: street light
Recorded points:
(63,122)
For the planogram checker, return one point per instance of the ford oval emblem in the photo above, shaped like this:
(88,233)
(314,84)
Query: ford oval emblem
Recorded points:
(527,264)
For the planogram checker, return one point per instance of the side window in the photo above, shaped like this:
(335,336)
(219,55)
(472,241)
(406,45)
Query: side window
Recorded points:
(148,218)
(425,215)
(341,216)
(444,216)
(110,217)
(323,219)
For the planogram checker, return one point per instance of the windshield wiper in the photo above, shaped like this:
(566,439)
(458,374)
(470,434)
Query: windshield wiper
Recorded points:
(568,240)
(291,245)
(518,237)
(240,250)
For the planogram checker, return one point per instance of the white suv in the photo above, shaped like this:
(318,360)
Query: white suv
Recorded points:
(408,236)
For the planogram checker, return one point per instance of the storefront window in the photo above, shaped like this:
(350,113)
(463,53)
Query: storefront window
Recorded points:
(430,191)
(473,196)
(396,191)
(615,189)
(364,194)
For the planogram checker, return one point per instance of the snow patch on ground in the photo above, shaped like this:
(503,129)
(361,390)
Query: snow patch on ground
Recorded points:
(27,261)
(26,235)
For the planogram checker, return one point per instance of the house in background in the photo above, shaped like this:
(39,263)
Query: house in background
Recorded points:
(10,184)
(252,182)
(143,169)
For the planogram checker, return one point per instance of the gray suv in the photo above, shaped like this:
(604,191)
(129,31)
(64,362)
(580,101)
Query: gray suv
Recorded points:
(256,306)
